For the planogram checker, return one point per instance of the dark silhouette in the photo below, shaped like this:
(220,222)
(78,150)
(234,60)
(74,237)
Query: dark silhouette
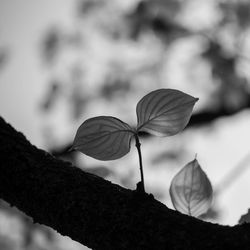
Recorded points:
(95,212)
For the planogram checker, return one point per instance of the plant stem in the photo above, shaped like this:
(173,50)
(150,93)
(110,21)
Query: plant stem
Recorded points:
(138,146)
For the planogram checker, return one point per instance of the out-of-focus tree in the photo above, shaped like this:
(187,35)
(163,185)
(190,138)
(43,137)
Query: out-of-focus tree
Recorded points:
(116,51)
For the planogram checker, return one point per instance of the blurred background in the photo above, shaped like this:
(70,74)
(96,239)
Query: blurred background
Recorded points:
(62,62)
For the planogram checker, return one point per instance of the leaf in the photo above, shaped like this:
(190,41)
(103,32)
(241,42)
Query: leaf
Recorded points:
(191,191)
(103,138)
(164,112)
(245,218)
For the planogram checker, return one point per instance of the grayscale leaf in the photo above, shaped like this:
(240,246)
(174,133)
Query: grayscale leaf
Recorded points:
(164,112)
(103,138)
(191,191)
(245,218)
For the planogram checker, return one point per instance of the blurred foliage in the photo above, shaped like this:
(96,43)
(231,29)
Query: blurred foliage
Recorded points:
(28,230)
(245,218)
(157,22)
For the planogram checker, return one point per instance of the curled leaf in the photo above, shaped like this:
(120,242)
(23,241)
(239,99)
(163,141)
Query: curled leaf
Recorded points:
(164,112)
(103,138)
(191,191)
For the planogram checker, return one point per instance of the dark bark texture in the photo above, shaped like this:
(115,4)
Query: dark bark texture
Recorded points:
(95,212)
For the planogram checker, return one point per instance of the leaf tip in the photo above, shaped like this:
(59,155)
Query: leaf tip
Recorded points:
(195,157)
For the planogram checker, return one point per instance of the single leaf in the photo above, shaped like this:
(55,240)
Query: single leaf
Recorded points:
(164,112)
(103,138)
(191,191)
(245,218)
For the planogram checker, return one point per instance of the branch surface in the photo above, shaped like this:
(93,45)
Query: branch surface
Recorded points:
(95,212)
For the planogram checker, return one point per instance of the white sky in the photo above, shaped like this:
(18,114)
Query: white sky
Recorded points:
(22,82)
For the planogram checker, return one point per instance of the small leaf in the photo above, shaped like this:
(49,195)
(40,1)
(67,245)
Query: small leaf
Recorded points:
(164,112)
(103,138)
(245,218)
(191,191)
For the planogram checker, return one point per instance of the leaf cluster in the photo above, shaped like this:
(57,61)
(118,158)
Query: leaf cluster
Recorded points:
(163,112)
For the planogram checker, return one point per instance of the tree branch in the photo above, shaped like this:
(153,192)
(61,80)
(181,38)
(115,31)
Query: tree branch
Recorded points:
(95,212)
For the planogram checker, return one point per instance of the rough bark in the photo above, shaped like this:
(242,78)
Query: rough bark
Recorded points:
(95,212)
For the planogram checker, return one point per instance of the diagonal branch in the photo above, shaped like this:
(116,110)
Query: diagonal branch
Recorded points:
(95,212)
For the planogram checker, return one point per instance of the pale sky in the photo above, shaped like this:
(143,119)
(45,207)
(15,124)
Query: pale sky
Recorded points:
(23,81)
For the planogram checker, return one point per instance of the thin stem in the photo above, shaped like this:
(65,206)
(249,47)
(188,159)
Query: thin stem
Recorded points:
(138,146)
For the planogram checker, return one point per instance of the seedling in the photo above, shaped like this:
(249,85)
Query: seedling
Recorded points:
(163,112)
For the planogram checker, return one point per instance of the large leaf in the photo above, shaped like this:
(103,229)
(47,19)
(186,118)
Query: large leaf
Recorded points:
(164,112)
(191,191)
(104,138)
